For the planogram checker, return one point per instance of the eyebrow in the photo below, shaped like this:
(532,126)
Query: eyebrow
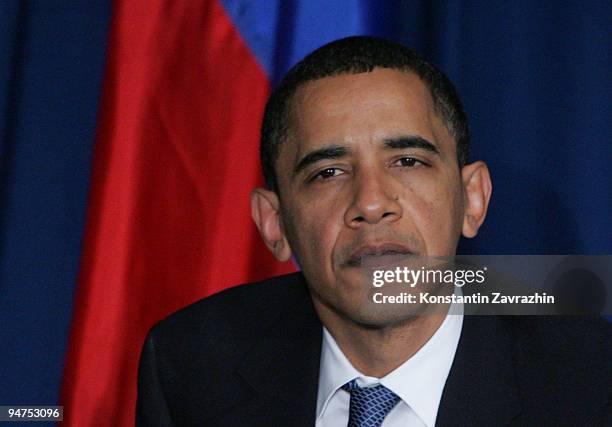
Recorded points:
(338,151)
(329,152)
(411,141)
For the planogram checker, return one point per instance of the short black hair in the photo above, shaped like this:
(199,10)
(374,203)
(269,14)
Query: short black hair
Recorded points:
(355,55)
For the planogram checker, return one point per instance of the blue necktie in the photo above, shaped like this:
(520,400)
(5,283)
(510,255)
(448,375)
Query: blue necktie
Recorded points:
(369,405)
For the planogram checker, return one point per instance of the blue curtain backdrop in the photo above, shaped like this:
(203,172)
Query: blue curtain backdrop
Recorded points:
(535,77)
(52,64)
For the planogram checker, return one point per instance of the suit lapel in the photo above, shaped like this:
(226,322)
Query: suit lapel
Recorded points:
(481,388)
(283,369)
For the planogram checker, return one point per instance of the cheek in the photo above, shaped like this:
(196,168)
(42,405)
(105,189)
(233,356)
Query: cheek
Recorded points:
(435,211)
(310,233)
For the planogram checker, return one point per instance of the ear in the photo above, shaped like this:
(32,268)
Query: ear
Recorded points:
(266,214)
(477,190)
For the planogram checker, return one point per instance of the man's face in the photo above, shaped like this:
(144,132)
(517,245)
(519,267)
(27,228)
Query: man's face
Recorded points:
(368,171)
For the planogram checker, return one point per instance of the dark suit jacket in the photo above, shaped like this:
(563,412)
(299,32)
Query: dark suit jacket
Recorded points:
(249,356)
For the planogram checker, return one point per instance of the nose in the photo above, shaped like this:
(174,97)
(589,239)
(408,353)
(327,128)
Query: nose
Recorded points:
(373,200)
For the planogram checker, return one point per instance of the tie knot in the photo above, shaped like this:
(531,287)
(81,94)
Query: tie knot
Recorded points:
(369,405)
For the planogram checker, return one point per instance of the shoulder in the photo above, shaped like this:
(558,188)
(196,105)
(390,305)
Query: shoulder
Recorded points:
(565,339)
(566,359)
(205,343)
(240,311)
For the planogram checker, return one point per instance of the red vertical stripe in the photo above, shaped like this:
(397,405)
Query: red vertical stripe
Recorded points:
(168,217)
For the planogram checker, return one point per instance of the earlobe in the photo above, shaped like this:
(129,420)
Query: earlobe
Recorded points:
(477,190)
(282,251)
(266,214)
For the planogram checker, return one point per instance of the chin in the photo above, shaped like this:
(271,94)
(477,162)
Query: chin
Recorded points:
(384,323)
(382,316)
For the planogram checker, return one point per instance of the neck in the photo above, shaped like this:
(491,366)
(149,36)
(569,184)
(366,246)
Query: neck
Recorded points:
(377,350)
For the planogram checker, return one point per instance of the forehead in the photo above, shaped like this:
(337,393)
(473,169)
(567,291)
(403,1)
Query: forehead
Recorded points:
(349,106)
(388,83)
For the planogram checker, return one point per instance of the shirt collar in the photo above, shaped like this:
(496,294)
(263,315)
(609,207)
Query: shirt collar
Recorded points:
(419,381)
(335,371)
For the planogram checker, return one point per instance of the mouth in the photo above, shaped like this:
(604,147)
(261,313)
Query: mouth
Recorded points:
(385,254)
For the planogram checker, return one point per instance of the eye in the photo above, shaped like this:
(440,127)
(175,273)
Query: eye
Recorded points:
(327,173)
(409,162)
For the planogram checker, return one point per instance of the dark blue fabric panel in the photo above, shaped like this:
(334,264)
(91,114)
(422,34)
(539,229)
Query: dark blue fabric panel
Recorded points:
(535,78)
(9,18)
(54,53)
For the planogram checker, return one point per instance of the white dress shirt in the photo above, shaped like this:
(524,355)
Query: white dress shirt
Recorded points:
(418,382)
